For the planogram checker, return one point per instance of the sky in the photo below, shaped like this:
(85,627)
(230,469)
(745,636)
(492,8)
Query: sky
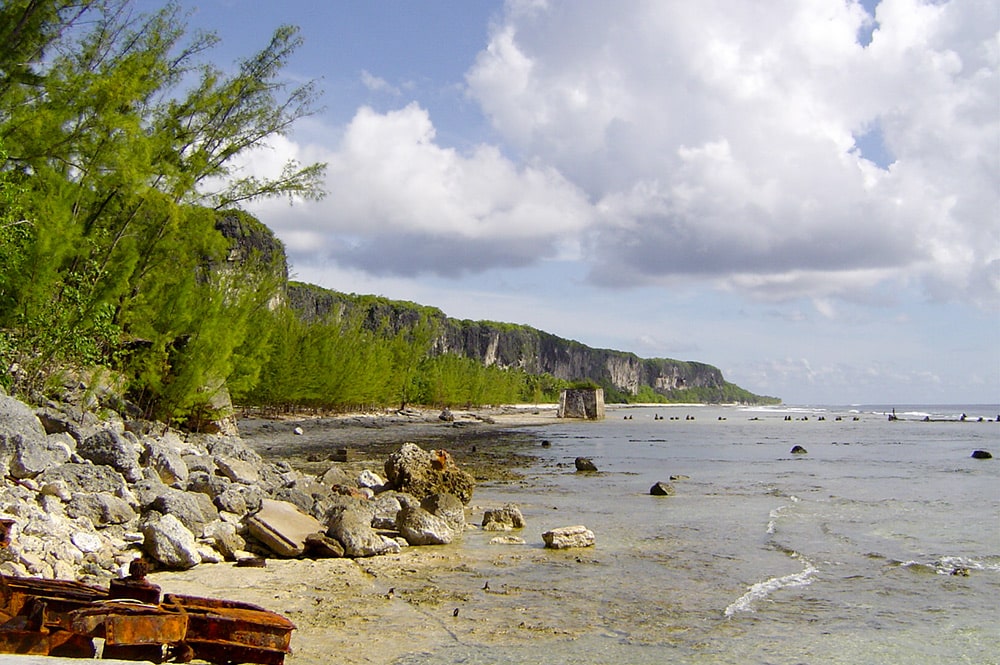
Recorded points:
(803,193)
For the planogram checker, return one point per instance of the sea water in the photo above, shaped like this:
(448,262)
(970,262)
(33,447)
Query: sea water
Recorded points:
(880,544)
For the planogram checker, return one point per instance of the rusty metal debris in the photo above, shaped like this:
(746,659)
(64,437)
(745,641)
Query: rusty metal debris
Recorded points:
(63,618)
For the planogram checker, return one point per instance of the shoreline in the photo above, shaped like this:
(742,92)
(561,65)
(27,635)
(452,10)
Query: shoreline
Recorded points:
(359,608)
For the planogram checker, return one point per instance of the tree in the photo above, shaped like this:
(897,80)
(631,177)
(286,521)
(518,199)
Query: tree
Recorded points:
(122,141)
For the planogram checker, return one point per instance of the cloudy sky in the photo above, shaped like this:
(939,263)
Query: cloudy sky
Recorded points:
(804,193)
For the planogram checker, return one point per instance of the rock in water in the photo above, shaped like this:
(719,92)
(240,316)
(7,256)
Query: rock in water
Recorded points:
(421,473)
(585,464)
(981,454)
(569,536)
(798,450)
(506,518)
(419,527)
(662,489)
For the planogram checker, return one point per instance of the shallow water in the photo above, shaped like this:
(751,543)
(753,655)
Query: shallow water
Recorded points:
(846,554)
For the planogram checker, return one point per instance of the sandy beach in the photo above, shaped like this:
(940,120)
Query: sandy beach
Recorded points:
(375,610)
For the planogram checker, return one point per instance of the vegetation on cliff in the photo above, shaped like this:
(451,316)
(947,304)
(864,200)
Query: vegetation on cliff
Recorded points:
(122,247)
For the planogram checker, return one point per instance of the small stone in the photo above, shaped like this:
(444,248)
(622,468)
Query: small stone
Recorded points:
(798,450)
(506,518)
(662,489)
(585,464)
(569,536)
(507,540)
(981,454)
(86,542)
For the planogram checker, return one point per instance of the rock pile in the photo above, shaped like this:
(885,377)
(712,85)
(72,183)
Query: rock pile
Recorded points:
(82,498)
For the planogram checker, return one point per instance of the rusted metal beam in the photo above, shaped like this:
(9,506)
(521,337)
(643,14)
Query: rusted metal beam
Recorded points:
(62,617)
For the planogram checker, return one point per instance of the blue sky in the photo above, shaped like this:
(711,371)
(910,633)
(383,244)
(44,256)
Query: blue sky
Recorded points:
(805,194)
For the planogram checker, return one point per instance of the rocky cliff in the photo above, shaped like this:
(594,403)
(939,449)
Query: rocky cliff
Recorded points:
(503,345)
(534,351)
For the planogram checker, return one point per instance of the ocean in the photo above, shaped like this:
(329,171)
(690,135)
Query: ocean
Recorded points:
(880,544)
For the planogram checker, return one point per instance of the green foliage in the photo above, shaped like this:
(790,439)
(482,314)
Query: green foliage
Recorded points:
(120,143)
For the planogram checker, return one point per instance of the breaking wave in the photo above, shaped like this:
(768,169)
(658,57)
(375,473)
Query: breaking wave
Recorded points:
(762,590)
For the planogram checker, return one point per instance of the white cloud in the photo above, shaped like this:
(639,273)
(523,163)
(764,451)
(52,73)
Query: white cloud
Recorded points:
(717,138)
(378,84)
(398,203)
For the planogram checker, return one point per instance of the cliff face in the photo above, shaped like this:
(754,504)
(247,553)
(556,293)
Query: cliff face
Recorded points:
(539,352)
(511,346)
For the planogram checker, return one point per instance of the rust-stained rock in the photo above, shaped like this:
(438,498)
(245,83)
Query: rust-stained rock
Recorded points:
(421,473)
(282,527)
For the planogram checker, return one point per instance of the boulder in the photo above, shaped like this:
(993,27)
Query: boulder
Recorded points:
(184,506)
(446,416)
(421,473)
(506,518)
(798,450)
(585,464)
(419,527)
(237,470)
(981,454)
(168,464)
(225,538)
(87,478)
(336,476)
(351,525)
(449,508)
(233,500)
(282,527)
(569,536)
(109,448)
(661,488)
(31,457)
(386,507)
(19,426)
(100,509)
(169,542)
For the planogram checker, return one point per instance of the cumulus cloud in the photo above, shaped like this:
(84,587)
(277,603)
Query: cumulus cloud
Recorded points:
(727,141)
(399,203)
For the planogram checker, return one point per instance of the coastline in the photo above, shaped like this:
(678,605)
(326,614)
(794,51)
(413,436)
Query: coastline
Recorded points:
(358,609)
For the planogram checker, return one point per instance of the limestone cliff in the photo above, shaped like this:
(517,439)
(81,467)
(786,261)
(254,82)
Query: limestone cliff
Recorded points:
(517,346)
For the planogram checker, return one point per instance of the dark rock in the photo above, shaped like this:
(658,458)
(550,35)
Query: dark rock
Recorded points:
(447,416)
(798,450)
(981,454)
(505,518)
(662,489)
(585,464)
(421,473)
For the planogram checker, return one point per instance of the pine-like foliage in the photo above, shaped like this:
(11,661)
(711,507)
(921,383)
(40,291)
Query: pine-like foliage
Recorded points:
(119,144)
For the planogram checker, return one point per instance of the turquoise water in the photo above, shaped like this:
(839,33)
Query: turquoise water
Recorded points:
(880,545)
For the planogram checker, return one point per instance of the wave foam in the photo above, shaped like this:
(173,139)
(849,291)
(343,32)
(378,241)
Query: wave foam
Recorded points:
(762,590)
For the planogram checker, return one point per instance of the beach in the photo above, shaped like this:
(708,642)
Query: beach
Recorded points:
(870,546)
(377,609)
